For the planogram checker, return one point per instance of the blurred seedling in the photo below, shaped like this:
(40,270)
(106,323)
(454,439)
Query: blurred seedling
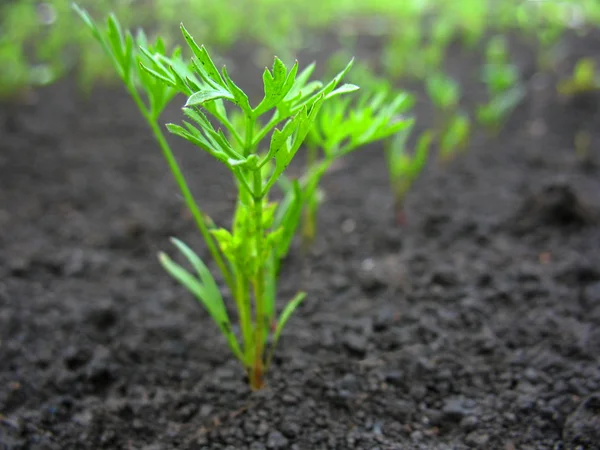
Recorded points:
(584,80)
(404,167)
(344,126)
(502,82)
(452,127)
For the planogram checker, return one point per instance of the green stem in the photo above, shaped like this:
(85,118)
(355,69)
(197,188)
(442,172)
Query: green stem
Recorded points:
(257,370)
(243,305)
(310,186)
(311,156)
(187,194)
(259,286)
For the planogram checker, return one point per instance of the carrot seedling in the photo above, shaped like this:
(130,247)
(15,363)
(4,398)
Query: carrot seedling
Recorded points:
(583,80)
(404,167)
(342,127)
(455,137)
(444,92)
(452,128)
(502,81)
(248,255)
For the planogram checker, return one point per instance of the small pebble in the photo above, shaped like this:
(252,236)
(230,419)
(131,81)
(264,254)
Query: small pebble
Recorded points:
(356,343)
(277,441)
(348,226)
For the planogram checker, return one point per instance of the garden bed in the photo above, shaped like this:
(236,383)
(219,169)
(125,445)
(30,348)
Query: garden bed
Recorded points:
(474,325)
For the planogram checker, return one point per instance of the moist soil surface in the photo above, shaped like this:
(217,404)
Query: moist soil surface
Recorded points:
(475,324)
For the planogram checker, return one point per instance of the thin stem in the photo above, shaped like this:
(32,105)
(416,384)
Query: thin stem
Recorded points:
(187,194)
(242,300)
(259,286)
(310,187)
(257,370)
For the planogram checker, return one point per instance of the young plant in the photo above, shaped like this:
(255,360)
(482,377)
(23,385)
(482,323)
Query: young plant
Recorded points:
(442,32)
(401,55)
(249,254)
(404,167)
(444,92)
(584,79)
(502,82)
(451,126)
(342,127)
(455,137)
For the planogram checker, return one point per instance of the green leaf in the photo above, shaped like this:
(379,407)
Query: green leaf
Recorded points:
(276,85)
(396,152)
(115,36)
(204,289)
(443,91)
(157,75)
(421,153)
(206,65)
(456,136)
(88,21)
(129,55)
(226,242)
(240,97)
(102,39)
(344,89)
(301,85)
(196,138)
(402,103)
(207,95)
(328,88)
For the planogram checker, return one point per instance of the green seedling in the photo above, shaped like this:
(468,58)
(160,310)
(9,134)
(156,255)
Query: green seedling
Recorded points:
(404,167)
(584,79)
(544,24)
(442,33)
(455,137)
(452,128)
(249,254)
(502,82)
(342,127)
(444,92)
(401,56)
(493,114)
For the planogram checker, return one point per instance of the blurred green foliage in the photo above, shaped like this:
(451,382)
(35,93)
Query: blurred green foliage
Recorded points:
(40,41)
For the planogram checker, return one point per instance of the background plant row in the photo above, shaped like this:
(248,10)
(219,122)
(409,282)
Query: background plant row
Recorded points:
(40,42)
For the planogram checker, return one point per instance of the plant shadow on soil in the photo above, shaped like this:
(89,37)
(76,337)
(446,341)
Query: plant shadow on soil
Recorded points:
(476,325)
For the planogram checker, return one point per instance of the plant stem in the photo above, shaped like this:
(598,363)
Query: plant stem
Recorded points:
(183,187)
(257,370)
(243,305)
(315,172)
(259,288)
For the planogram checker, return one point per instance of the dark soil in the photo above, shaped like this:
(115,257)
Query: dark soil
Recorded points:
(476,325)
